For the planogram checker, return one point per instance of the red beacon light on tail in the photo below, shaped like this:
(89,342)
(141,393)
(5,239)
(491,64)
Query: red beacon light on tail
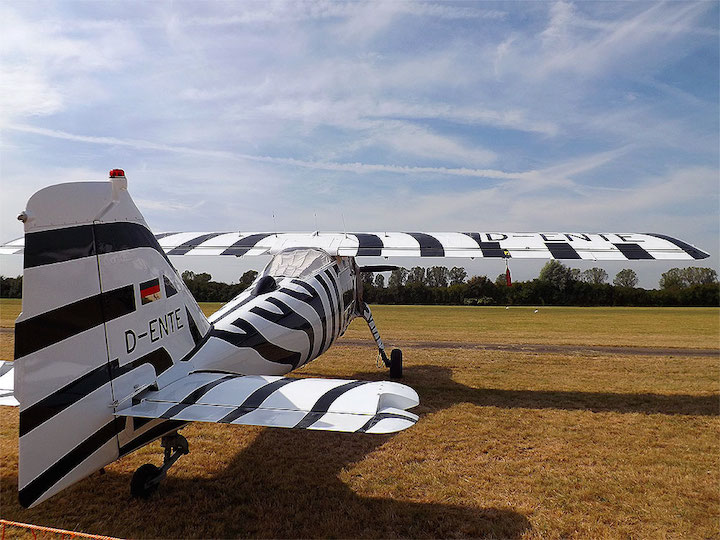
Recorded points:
(116,172)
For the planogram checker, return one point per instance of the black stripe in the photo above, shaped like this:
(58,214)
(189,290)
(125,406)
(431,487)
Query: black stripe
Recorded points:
(489,249)
(139,422)
(694,252)
(633,251)
(170,289)
(159,359)
(254,400)
(61,323)
(70,243)
(242,246)
(333,309)
(562,250)
(369,245)
(197,346)
(196,394)
(336,287)
(35,489)
(151,434)
(429,245)
(237,306)
(323,404)
(194,332)
(382,416)
(121,236)
(73,392)
(315,302)
(183,248)
(289,319)
(163,235)
(58,245)
(61,399)
(256,341)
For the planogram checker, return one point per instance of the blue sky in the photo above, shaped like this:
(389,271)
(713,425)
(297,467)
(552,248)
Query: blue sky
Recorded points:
(385,116)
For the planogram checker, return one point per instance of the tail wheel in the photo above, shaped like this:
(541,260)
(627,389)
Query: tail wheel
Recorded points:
(396,364)
(141,485)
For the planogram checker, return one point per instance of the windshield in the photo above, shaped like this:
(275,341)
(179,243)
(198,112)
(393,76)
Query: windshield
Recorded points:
(297,263)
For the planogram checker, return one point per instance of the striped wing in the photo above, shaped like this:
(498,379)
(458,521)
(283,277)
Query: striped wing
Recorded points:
(589,246)
(321,404)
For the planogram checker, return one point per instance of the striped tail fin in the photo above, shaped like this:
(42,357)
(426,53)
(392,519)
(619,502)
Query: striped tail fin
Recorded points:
(104,315)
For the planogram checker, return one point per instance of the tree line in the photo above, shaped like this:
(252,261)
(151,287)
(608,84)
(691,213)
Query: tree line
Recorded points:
(556,284)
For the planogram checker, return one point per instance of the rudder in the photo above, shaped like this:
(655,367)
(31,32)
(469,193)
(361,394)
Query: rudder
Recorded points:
(105,315)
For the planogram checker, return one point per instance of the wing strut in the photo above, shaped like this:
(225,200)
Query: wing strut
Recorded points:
(395,360)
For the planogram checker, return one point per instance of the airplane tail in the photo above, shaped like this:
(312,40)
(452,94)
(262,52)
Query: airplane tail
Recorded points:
(104,315)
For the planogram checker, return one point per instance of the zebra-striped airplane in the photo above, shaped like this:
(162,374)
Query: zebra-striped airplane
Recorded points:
(112,351)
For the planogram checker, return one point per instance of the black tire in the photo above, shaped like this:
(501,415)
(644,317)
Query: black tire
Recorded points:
(144,474)
(396,364)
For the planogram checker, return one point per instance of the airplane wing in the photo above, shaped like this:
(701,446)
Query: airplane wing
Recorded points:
(529,245)
(321,404)
(7,384)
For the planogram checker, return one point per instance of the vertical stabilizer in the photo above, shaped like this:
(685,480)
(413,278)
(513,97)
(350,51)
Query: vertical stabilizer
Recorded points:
(105,315)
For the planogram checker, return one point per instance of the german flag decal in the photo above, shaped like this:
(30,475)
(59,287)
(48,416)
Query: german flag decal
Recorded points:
(150,291)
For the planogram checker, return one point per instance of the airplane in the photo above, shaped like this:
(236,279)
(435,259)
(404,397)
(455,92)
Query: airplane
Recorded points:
(112,352)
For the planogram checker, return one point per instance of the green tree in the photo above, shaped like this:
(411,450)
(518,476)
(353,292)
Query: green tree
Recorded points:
(700,276)
(416,275)
(595,275)
(397,278)
(673,279)
(481,286)
(368,278)
(458,275)
(437,276)
(680,278)
(248,277)
(556,274)
(626,278)
(380,281)
(11,287)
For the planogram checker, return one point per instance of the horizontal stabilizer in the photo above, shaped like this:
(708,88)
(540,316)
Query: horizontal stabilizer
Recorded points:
(7,384)
(322,404)
(525,245)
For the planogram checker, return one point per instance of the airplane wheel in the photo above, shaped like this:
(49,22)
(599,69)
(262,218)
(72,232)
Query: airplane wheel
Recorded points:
(396,364)
(142,476)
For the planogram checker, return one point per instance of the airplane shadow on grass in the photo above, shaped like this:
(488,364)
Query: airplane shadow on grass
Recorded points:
(437,391)
(286,483)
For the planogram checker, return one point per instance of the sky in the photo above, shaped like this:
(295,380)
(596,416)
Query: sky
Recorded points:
(362,116)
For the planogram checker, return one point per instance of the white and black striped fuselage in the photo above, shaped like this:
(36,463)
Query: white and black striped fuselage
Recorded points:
(283,322)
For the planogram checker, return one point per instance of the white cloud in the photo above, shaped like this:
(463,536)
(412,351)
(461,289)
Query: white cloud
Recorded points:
(354,167)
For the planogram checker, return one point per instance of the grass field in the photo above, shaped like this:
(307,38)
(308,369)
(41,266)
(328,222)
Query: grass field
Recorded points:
(509,443)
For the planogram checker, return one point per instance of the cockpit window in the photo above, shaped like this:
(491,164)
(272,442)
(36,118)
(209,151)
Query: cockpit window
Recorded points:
(297,263)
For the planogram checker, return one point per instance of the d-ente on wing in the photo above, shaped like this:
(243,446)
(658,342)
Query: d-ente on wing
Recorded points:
(112,352)
(520,245)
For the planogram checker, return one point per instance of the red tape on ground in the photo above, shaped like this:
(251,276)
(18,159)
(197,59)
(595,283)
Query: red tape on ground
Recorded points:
(32,528)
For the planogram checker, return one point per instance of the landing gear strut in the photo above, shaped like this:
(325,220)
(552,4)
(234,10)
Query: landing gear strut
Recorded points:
(395,360)
(148,477)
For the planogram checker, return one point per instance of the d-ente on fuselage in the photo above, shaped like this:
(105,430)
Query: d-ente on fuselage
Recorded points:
(112,351)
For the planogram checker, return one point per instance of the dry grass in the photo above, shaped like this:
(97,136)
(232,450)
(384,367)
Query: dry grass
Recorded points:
(508,444)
